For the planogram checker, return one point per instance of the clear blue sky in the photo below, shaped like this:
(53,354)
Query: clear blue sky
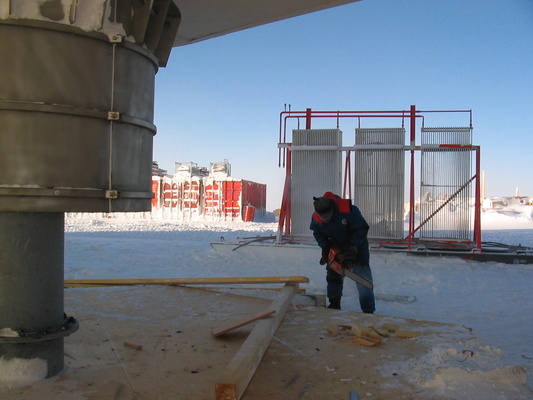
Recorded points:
(221,98)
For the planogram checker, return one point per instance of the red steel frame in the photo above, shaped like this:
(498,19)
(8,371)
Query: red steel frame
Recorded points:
(284,159)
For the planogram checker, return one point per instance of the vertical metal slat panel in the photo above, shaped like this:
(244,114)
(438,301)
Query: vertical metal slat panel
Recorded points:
(314,172)
(379,180)
(444,188)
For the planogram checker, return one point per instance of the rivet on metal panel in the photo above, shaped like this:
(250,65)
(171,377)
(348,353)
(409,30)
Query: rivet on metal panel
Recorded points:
(111,194)
(113,115)
(116,38)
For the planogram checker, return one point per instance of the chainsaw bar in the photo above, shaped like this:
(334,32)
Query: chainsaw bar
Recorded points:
(357,278)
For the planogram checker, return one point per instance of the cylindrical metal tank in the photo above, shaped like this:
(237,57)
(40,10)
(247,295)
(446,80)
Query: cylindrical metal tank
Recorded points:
(76,115)
(76,134)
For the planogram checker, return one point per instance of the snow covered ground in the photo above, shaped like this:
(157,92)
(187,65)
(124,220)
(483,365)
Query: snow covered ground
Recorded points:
(494,300)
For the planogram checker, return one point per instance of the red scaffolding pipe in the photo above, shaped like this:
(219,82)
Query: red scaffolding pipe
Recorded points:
(412,119)
(347,177)
(284,225)
(477,206)
(308,118)
(412,114)
(309,114)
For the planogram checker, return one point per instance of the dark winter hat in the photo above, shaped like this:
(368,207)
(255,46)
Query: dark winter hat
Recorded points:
(323,205)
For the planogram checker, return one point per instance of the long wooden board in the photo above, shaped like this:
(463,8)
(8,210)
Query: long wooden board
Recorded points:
(185,281)
(242,322)
(239,372)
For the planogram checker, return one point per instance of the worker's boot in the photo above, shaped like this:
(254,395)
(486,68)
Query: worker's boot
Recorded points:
(335,303)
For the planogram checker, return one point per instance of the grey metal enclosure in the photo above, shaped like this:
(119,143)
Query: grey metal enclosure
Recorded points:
(316,163)
(380,179)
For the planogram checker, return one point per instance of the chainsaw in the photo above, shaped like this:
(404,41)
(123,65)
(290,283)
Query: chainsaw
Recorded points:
(335,263)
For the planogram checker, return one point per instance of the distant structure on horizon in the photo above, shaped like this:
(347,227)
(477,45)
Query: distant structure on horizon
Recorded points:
(197,192)
(156,171)
(507,202)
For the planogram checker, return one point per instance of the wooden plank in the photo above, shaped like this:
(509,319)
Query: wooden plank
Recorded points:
(245,321)
(381,332)
(68,284)
(390,327)
(406,334)
(78,285)
(232,384)
(273,289)
(360,330)
(365,341)
(133,346)
(187,281)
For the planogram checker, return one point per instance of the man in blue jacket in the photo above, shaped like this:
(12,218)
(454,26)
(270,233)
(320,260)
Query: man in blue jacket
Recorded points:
(336,223)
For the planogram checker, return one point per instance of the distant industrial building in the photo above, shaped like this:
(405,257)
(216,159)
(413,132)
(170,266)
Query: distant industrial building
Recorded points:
(196,192)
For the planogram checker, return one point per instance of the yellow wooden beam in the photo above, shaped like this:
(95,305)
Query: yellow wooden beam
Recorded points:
(230,326)
(232,384)
(184,281)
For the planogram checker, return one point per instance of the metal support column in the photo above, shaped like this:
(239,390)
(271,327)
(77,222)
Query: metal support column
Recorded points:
(31,288)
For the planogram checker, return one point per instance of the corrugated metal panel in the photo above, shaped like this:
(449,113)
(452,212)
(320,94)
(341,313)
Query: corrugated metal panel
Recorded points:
(167,191)
(254,194)
(212,198)
(191,194)
(232,199)
(314,172)
(445,189)
(379,180)
(156,190)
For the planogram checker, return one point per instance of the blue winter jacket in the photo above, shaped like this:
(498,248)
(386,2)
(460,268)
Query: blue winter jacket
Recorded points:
(344,228)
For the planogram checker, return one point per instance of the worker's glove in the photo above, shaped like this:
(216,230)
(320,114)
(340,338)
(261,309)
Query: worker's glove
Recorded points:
(348,255)
(325,255)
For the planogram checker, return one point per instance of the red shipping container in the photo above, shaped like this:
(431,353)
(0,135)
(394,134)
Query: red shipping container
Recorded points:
(211,199)
(231,198)
(156,190)
(167,194)
(254,194)
(249,214)
(175,196)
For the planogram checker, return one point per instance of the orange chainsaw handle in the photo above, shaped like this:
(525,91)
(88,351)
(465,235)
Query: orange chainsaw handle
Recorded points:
(334,262)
